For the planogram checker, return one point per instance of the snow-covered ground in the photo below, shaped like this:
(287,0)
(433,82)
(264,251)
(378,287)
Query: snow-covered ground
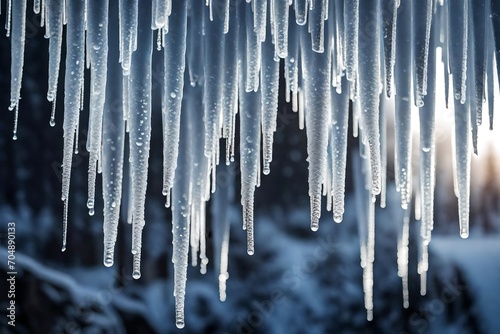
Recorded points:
(477,258)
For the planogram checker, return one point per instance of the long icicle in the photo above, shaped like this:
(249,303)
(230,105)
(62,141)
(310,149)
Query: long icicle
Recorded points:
(174,65)
(75,39)
(140,129)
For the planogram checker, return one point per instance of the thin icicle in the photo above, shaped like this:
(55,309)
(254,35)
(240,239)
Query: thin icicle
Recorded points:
(173,85)
(480,14)
(471,89)
(403,256)
(195,45)
(351,28)
(253,50)
(458,29)
(383,150)
(403,108)
(301,8)
(427,144)
(269,101)
(462,161)
(230,89)
(140,129)
(280,20)
(390,15)
(55,22)
(495,34)
(128,31)
(292,66)
(250,119)
(36,6)
(260,18)
(316,71)
(113,140)
(214,78)
(365,217)
(490,66)
(181,215)
(370,88)
(340,122)
(97,37)
(9,18)
(17,55)
(317,26)
(421,34)
(75,39)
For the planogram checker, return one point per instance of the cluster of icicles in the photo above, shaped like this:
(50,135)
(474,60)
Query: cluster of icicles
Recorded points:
(336,54)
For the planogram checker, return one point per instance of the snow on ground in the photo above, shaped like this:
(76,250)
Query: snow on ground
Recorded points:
(478,259)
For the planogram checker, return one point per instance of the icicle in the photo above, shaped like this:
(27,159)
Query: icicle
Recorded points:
(316,71)
(301,7)
(351,22)
(260,18)
(269,101)
(462,160)
(36,6)
(403,256)
(421,36)
(9,17)
(17,54)
(423,267)
(369,88)
(140,128)
(280,20)
(194,46)
(253,50)
(427,143)
(214,78)
(317,26)
(192,105)
(495,33)
(365,217)
(471,88)
(403,110)
(480,14)
(490,66)
(292,66)
(340,117)
(249,156)
(128,32)
(389,15)
(75,39)
(173,83)
(458,26)
(230,89)
(97,37)
(383,150)
(181,214)
(113,139)
(161,9)
(55,23)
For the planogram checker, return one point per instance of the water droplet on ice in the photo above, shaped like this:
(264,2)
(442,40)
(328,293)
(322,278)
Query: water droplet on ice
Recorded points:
(108,261)
(179,324)
(136,274)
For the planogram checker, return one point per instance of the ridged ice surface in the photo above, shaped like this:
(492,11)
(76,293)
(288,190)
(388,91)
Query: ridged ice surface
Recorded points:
(223,64)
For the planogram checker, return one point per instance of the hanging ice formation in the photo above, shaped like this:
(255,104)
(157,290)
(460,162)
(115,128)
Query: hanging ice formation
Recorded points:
(221,59)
